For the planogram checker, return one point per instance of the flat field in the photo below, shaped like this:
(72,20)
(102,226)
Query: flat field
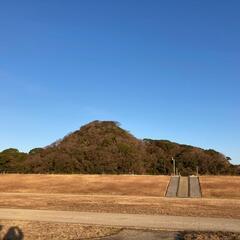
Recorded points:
(118,194)
(220,186)
(141,185)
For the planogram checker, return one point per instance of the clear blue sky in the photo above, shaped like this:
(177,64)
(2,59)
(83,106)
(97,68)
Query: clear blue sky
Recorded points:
(163,69)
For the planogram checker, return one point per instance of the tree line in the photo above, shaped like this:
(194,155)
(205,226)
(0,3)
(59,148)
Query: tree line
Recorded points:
(103,147)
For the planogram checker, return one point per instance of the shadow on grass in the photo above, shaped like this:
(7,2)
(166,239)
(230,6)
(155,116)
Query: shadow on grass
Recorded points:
(13,233)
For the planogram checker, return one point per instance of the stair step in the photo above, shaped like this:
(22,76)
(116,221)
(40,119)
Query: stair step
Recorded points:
(195,190)
(183,189)
(173,187)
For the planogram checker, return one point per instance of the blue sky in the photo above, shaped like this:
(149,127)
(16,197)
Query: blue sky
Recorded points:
(163,69)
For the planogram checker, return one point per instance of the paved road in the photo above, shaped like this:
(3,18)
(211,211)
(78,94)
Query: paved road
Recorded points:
(124,220)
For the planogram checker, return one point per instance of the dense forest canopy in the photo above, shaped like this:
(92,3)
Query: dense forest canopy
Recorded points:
(103,147)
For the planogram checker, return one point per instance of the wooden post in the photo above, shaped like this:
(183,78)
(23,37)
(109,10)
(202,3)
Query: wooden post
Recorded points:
(174,167)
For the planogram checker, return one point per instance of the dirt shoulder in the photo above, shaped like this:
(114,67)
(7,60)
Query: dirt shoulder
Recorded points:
(209,236)
(45,230)
(63,231)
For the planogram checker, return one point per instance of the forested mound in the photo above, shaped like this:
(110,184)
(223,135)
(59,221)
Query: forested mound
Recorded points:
(103,147)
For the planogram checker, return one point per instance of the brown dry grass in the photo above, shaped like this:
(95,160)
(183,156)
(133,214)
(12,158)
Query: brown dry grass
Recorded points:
(209,236)
(124,204)
(85,184)
(64,231)
(118,194)
(220,186)
(57,231)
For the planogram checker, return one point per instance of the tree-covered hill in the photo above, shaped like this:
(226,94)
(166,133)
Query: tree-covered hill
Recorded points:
(11,160)
(104,147)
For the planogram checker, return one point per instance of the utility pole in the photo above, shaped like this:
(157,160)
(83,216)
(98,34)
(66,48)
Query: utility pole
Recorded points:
(174,166)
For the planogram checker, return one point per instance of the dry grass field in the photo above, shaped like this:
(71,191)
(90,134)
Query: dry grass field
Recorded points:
(220,186)
(130,185)
(118,194)
(124,204)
